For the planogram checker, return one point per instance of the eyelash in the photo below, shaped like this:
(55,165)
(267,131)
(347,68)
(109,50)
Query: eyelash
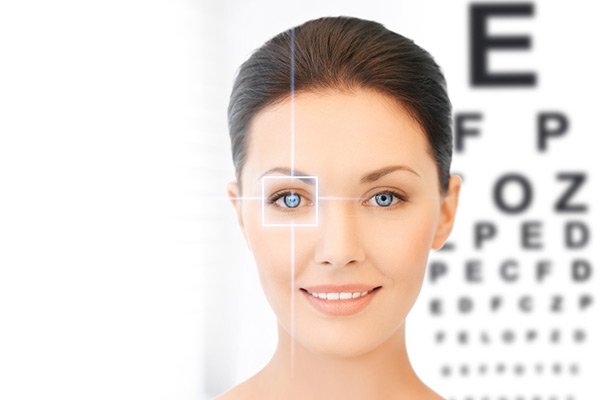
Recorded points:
(399,196)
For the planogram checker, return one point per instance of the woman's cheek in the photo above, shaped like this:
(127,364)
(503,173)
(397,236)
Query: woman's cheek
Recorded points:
(399,247)
(272,253)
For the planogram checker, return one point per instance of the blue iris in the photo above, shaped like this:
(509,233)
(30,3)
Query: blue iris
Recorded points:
(384,199)
(291,200)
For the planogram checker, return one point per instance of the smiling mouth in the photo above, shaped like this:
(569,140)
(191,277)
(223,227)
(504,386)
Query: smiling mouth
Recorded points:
(346,302)
(337,296)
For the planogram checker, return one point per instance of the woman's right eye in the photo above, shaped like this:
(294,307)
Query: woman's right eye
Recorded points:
(288,200)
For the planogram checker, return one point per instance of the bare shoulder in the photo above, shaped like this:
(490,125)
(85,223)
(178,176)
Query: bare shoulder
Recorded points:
(238,392)
(436,396)
(249,389)
(420,391)
(429,394)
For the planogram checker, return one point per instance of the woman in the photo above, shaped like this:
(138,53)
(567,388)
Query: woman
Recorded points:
(342,143)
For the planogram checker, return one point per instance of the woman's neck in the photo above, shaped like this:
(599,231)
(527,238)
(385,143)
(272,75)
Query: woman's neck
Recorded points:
(382,373)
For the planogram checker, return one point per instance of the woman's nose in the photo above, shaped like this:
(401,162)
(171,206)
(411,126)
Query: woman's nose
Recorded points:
(338,242)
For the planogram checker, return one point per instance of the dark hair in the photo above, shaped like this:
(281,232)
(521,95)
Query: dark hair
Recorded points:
(343,53)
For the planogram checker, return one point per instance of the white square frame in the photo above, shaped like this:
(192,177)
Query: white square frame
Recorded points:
(316,200)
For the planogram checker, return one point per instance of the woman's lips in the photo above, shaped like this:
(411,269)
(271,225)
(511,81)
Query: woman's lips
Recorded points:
(340,300)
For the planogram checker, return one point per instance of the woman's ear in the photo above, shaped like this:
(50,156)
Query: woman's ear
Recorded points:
(234,194)
(448,208)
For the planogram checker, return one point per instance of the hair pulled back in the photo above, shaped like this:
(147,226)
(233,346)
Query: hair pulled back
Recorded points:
(343,53)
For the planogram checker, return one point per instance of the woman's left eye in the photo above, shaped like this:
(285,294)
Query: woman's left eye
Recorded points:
(385,199)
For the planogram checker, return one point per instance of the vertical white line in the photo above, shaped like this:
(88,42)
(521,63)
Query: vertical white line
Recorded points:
(292,160)
(292,88)
(292,302)
(262,202)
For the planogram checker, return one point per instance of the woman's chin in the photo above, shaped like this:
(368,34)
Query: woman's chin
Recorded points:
(332,343)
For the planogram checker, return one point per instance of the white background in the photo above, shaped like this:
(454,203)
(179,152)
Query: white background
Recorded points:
(122,274)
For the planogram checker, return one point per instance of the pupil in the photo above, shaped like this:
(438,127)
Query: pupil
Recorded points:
(384,200)
(292,200)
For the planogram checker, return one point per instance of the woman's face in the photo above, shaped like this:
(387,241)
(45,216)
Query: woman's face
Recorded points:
(377,214)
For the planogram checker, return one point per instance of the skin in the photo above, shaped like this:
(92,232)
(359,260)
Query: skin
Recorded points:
(341,137)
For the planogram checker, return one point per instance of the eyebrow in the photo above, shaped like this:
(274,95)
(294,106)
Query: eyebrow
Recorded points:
(375,175)
(370,177)
(288,172)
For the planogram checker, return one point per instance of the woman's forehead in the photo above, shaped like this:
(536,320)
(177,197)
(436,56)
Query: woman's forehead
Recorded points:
(334,107)
(360,130)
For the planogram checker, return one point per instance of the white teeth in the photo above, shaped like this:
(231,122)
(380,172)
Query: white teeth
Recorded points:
(345,296)
(339,296)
